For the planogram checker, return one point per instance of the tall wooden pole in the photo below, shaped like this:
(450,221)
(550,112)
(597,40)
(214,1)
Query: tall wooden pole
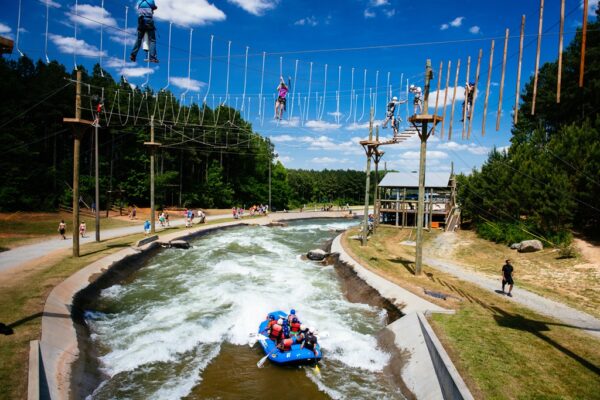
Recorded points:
(76,151)
(422,160)
(465,102)
(97,176)
(475,93)
(453,100)
(583,40)
(560,50)
(520,65)
(499,114)
(437,94)
(375,197)
(152,205)
(537,57)
(368,183)
(487,89)
(445,98)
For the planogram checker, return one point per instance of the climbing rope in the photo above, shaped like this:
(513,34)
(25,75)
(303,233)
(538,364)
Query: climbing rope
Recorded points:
(351,95)
(245,81)
(324,95)
(290,115)
(309,88)
(46,36)
(364,96)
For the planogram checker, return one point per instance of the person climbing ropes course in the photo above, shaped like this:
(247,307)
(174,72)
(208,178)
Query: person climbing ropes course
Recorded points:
(282,91)
(390,114)
(145,9)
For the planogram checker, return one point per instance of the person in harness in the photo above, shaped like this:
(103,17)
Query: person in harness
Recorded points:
(390,115)
(468,103)
(276,331)
(417,101)
(295,327)
(145,10)
(285,345)
(282,91)
(310,341)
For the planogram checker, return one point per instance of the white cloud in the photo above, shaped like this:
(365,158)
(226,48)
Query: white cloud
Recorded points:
(474,29)
(443,27)
(321,125)
(113,62)
(592,6)
(70,45)
(308,21)
(4,29)
(256,7)
(292,122)
(390,13)
(335,114)
(456,22)
(460,96)
(432,154)
(283,139)
(329,160)
(120,35)
(50,3)
(91,16)
(185,83)
(369,14)
(470,147)
(285,159)
(356,126)
(189,12)
(136,72)
(379,3)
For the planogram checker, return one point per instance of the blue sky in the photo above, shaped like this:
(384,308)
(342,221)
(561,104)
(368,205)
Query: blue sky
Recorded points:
(393,37)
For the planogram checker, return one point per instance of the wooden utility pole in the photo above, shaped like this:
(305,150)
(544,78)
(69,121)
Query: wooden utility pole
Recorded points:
(487,89)
(560,50)
(421,122)
(537,58)
(520,65)
(79,127)
(498,115)
(377,155)
(152,147)
(369,151)
(583,42)
(97,179)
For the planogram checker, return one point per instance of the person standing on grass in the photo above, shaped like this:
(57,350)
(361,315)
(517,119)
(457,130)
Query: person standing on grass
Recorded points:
(82,229)
(507,277)
(62,228)
(147,227)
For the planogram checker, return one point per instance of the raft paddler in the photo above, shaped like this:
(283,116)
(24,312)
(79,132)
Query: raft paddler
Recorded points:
(276,331)
(310,341)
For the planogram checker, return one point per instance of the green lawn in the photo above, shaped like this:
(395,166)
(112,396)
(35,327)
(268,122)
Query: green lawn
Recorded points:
(502,350)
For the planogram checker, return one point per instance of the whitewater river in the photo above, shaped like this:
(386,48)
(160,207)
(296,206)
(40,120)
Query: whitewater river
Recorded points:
(180,327)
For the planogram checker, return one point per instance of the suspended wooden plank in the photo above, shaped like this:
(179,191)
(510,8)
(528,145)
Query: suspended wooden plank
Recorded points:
(560,50)
(437,95)
(487,89)
(445,98)
(475,93)
(537,57)
(465,104)
(517,95)
(583,40)
(502,82)
(453,101)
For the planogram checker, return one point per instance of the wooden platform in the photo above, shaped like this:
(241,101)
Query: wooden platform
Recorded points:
(422,118)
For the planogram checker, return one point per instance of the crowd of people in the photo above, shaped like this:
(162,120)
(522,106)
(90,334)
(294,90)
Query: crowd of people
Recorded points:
(239,212)
(289,331)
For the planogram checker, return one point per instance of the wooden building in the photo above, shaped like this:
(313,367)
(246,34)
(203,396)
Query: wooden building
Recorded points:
(399,195)
(6,45)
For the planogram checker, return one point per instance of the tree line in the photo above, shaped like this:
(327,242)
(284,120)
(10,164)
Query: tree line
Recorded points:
(210,157)
(548,182)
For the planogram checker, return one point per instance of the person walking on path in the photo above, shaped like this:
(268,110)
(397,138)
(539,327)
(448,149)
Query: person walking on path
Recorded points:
(147,227)
(145,10)
(62,228)
(507,277)
(82,229)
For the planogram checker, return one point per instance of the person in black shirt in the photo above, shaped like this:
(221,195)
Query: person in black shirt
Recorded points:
(507,277)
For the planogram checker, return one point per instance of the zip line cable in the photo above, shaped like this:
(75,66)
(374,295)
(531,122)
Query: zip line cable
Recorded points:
(19,30)
(46,35)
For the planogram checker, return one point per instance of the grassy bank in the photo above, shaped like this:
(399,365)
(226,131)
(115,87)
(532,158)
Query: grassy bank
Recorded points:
(503,351)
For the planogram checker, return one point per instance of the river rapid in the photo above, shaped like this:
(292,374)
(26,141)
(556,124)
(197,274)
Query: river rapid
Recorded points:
(181,326)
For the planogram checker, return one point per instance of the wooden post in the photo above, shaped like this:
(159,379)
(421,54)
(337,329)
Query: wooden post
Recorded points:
(368,183)
(516,112)
(487,89)
(472,111)
(445,98)
(152,205)
(437,94)
(453,101)
(560,50)
(502,82)
(377,156)
(537,57)
(97,179)
(583,42)
(465,103)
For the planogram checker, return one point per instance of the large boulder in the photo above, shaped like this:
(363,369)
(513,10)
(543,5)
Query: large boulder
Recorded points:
(515,246)
(316,255)
(530,246)
(179,244)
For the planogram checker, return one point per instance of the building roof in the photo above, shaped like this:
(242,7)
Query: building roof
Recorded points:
(411,180)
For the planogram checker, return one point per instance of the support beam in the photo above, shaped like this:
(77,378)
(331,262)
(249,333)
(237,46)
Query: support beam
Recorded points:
(487,89)
(453,100)
(499,114)
(445,98)
(560,50)
(519,68)
(537,58)
(368,150)
(475,93)
(583,43)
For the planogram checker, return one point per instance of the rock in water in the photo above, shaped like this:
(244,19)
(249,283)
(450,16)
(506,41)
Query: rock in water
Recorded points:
(515,246)
(530,246)
(179,244)
(316,255)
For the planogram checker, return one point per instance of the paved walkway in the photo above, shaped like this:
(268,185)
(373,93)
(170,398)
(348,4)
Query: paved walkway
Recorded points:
(23,254)
(537,303)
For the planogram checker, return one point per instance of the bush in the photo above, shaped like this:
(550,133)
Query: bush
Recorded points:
(509,233)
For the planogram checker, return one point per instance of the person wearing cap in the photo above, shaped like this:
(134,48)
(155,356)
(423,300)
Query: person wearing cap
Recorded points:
(276,331)
(468,103)
(291,316)
(417,101)
(390,115)
(310,341)
(295,327)
(507,277)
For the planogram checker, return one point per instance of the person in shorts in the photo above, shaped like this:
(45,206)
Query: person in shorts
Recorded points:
(62,228)
(507,277)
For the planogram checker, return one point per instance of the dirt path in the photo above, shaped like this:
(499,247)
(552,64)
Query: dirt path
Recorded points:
(439,251)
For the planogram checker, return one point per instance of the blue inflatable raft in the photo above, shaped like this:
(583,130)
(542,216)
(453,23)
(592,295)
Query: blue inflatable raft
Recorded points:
(295,356)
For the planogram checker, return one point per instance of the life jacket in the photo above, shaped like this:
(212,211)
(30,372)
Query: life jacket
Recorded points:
(310,341)
(271,323)
(296,327)
(287,344)
(275,333)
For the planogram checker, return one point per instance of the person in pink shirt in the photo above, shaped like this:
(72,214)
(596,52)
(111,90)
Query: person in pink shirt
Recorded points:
(282,91)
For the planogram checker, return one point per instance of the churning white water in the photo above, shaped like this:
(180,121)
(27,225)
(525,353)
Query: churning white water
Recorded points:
(157,333)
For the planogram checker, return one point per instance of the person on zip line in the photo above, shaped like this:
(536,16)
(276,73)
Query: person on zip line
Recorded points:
(145,9)
(282,91)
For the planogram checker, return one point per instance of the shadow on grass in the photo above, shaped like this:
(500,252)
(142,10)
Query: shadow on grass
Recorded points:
(108,246)
(409,265)
(536,328)
(31,318)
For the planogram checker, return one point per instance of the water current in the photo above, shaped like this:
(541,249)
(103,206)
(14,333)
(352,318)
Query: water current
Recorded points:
(181,326)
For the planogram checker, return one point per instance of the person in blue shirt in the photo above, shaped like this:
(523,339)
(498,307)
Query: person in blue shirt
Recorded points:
(147,227)
(145,10)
